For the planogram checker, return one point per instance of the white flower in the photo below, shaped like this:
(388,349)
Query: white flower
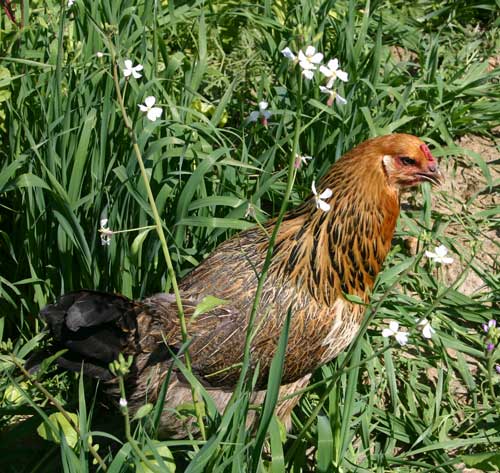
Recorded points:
(320,203)
(263,113)
(425,328)
(151,112)
(439,255)
(130,69)
(123,402)
(308,60)
(333,95)
(105,232)
(250,211)
(70,3)
(287,52)
(393,331)
(301,159)
(332,71)
(99,54)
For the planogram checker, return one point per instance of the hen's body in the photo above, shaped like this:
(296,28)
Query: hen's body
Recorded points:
(318,256)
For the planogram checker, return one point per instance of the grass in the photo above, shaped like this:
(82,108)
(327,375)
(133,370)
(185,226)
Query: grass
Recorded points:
(67,161)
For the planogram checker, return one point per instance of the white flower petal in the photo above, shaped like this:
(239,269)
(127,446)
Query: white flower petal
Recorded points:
(340,100)
(326,194)
(263,105)
(143,108)
(310,50)
(287,52)
(266,114)
(325,207)
(342,75)
(401,338)
(330,82)
(317,58)
(302,57)
(254,116)
(387,332)
(150,101)
(430,254)
(394,326)
(446,260)
(325,71)
(308,74)
(136,74)
(333,64)
(104,222)
(154,113)
(441,250)
(325,90)
(306,65)
(313,187)
(128,64)
(427,331)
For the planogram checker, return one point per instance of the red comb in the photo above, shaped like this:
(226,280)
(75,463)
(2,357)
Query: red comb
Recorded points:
(427,153)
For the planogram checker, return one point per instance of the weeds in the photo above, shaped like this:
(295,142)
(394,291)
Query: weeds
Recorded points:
(78,150)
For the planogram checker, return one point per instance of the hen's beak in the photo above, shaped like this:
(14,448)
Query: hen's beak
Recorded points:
(432,175)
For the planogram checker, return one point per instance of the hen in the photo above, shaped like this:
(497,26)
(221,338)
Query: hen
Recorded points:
(319,256)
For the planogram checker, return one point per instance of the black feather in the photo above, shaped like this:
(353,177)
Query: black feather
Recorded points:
(94,326)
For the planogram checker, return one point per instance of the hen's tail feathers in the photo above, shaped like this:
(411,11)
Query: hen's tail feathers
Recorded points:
(94,327)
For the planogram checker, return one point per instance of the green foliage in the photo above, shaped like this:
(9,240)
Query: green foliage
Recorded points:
(67,161)
(58,426)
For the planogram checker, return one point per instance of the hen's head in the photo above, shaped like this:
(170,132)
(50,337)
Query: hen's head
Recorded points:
(399,161)
(406,160)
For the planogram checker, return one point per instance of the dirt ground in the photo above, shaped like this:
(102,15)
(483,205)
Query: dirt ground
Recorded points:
(467,196)
(470,201)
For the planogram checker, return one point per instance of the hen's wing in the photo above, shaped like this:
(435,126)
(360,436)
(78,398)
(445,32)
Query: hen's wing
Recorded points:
(217,336)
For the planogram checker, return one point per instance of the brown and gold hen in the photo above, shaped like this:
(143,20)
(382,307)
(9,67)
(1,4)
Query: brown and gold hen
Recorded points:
(319,256)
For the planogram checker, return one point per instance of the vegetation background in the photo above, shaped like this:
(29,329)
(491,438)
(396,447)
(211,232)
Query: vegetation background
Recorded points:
(428,68)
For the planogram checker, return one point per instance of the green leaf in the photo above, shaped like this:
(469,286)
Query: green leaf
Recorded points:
(276,440)
(58,424)
(273,386)
(488,461)
(30,180)
(207,304)
(324,453)
(161,457)
(5,80)
(214,222)
(14,395)
(355,299)
(137,243)
(143,411)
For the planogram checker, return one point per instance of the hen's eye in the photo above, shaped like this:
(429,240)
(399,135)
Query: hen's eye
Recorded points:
(407,161)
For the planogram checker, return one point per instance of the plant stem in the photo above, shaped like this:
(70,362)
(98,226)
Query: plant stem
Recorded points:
(115,232)
(60,408)
(163,241)
(128,435)
(292,171)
